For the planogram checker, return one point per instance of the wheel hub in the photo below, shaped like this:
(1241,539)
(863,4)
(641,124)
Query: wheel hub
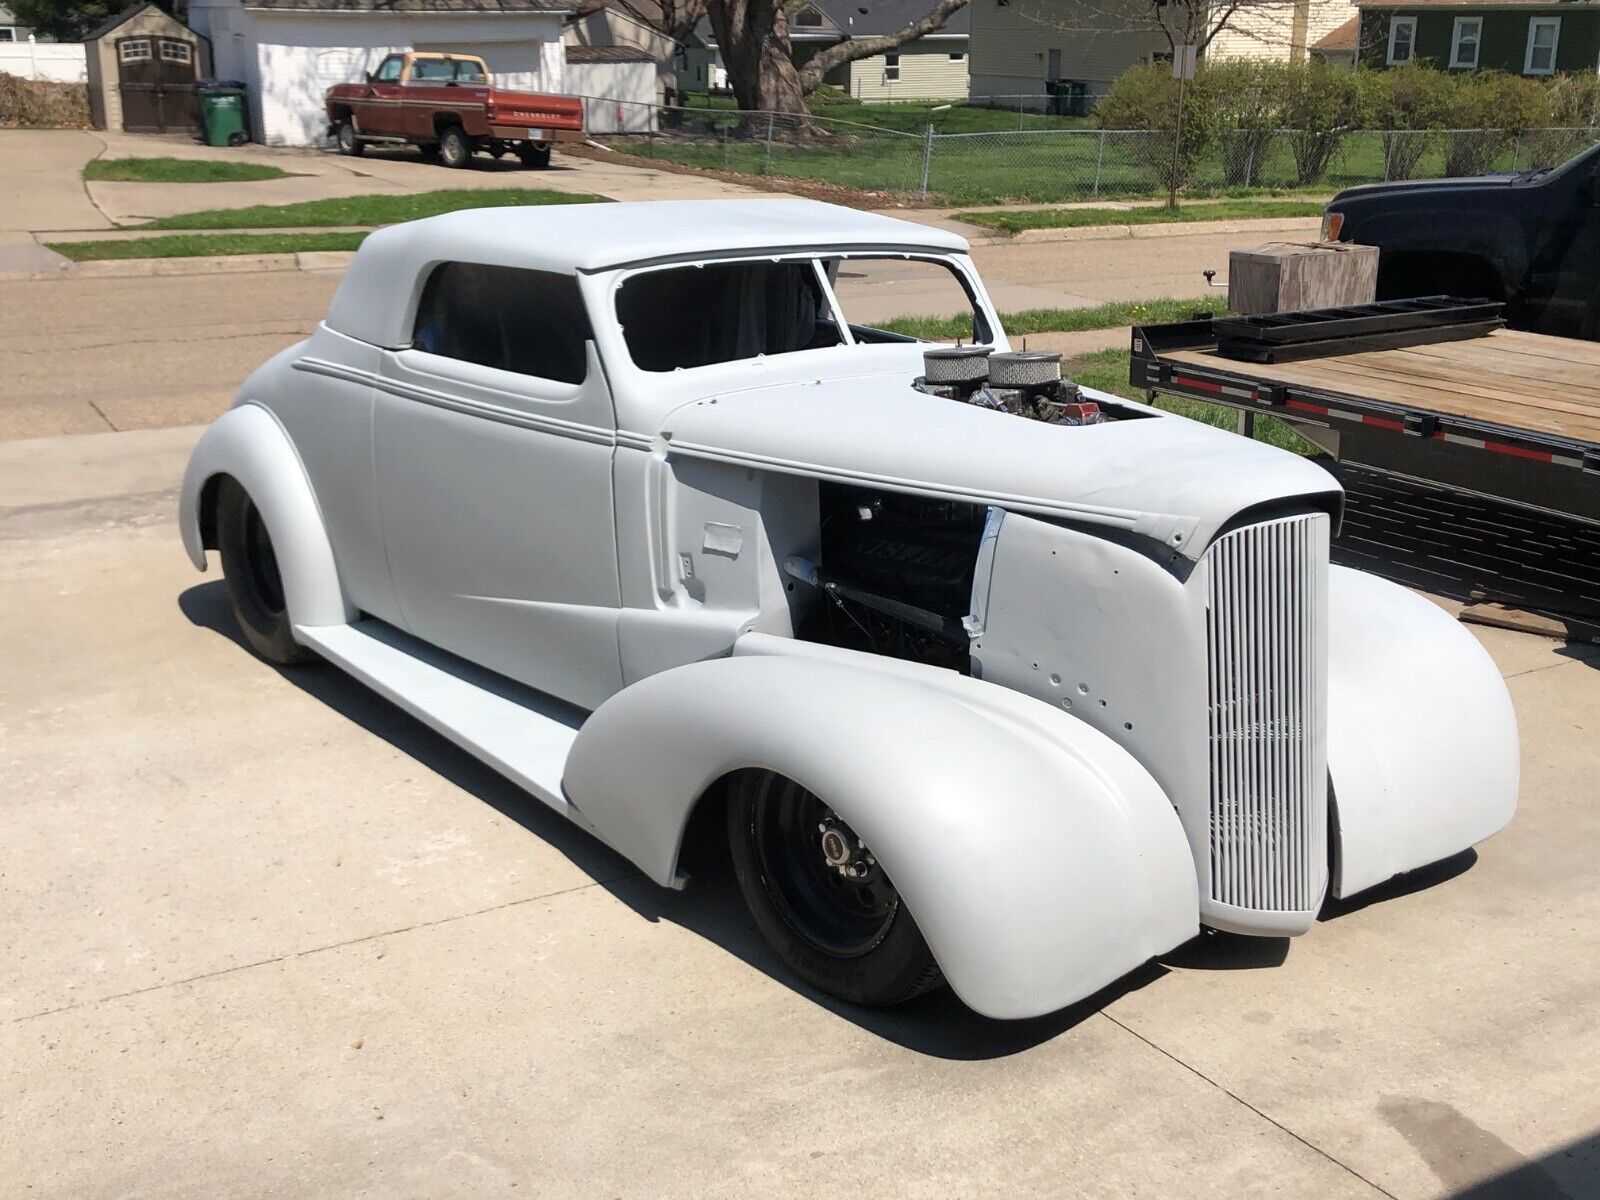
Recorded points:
(843,851)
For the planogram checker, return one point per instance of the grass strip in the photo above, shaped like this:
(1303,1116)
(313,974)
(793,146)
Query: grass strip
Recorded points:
(1061,320)
(206,245)
(1017,220)
(179,170)
(366,210)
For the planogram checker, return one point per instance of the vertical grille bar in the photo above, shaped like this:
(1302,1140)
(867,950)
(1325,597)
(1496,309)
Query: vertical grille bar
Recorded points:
(1265,641)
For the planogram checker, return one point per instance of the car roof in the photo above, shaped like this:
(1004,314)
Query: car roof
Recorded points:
(379,292)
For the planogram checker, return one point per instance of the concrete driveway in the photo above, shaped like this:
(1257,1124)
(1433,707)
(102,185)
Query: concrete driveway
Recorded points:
(262,935)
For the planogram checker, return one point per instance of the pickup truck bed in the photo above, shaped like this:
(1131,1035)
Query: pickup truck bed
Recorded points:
(1509,414)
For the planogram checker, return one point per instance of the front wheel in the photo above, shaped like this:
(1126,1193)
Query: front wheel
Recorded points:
(250,571)
(820,897)
(349,143)
(454,148)
(535,158)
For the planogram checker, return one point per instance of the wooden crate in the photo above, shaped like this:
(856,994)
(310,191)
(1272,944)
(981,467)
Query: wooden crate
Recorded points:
(1290,276)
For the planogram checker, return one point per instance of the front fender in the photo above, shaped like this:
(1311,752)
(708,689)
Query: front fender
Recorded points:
(247,443)
(1039,859)
(1422,738)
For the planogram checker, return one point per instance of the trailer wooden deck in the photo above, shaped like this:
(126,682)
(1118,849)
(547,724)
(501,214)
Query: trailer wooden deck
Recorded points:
(1506,414)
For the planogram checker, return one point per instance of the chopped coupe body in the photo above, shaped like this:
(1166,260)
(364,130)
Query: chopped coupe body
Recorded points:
(623,500)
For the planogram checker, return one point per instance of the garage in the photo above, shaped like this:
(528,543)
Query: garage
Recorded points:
(290,52)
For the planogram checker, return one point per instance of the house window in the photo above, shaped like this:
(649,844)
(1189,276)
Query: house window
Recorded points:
(1402,40)
(891,68)
(8,33)
(175,52)
(1543,34)
(957,55)
(808,18)
(1464,42)
(134,50)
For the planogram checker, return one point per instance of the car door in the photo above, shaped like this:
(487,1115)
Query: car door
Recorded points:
(427,91)
(378,111)
(493,438)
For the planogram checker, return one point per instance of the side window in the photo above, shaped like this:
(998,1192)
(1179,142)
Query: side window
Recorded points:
(432,70)
(469,72)
(530,322)
(389,70)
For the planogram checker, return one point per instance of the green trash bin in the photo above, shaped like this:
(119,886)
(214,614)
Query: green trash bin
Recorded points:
(223,117)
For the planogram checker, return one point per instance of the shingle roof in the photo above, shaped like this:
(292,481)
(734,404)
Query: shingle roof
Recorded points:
(414,6)
(1343,38)
(601,54)
(870,18)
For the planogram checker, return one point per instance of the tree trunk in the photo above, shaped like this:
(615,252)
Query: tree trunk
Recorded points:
(754,38)
(851,49)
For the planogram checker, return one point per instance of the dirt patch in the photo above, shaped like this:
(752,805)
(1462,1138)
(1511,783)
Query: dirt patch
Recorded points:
(29,104)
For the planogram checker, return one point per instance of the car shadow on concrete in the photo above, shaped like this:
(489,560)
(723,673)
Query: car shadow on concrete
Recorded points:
(938,1024)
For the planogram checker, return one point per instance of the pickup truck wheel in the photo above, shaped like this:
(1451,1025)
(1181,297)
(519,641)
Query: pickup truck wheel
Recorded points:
(250,571)
(820,898)
(535,158)
(454,148)
(349,143)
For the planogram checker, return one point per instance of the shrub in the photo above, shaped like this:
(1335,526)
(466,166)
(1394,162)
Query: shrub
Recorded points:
(1574,100)
(1247,100)
(27,104)
(1405,103)
(1146,98)
(1488,110)
(1320,105)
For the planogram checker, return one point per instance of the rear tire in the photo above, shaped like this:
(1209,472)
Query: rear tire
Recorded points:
(349,143)
(535,158)
(454,148)
(250,571)
(847,935)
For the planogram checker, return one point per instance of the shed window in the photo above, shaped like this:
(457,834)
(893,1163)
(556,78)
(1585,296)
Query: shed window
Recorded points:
(134,50)
(530,322)
(1464,42)
(1402,40)
(175,52)
(891,68)
(1543,34)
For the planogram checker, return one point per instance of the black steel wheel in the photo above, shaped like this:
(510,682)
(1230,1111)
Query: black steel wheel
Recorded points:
(454,148)
(820,897)
(349,143)
(250,571)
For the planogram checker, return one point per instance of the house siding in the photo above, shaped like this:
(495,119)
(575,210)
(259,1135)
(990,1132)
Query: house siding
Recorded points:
(1279,32)
(1010,53)
(927,72)
(1505,36)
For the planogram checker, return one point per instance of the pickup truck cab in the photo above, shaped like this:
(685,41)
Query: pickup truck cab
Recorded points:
(1530,239)
(447,105)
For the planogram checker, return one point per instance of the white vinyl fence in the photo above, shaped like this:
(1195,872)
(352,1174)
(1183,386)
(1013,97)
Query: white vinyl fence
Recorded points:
(56,62)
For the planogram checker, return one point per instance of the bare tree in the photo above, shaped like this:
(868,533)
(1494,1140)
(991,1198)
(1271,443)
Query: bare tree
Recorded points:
(1176,22)
(753,36)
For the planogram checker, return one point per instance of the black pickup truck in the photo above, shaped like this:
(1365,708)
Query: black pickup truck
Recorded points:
(1530,239)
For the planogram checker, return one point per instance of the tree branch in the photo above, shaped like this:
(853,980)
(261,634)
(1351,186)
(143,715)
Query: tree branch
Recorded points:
(853,48)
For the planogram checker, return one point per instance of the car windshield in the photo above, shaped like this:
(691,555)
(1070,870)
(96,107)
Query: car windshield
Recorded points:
(677,318)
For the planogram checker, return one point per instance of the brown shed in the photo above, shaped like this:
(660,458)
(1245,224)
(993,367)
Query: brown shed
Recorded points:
(142,66)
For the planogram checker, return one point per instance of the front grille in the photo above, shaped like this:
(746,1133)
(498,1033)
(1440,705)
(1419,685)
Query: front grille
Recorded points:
(1266,642)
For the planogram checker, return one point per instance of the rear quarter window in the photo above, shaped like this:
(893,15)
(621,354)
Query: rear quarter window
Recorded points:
(529,322)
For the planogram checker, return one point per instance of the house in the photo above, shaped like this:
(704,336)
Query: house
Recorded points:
(10,31)
(1019,46)
(289,52)
(1519,36)
(932,67)
(1338,48)
(598,32)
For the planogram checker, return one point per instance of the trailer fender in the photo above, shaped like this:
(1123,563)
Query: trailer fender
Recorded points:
(247,443)
(1422,738)
(1040,860)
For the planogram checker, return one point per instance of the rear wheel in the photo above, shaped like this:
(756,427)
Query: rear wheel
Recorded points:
(250,570)
(536,158)
(820,897)
(454,148)
(349,143)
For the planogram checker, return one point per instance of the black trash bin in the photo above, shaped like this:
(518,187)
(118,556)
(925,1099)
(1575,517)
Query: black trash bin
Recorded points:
(1068,97)
(224,118)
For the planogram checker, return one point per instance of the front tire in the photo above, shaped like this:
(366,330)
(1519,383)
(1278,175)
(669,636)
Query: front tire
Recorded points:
(454,148)
(250,571)
(820,898)
(349,143)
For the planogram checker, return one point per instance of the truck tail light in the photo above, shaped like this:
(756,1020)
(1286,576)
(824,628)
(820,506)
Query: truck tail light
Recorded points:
(489,108)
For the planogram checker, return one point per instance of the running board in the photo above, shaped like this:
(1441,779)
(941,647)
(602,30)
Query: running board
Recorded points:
(523,734)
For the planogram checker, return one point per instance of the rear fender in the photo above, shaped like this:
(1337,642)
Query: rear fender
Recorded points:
(1040,860)
(248,444)
(1422,738)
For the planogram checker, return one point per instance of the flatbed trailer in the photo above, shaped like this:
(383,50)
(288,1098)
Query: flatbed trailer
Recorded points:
(1461,402)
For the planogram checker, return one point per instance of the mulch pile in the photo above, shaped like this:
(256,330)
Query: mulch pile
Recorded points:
(27,104)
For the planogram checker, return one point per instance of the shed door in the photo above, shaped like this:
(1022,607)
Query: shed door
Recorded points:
(156,78)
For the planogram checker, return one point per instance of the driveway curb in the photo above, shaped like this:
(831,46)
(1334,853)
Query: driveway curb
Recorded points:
(224,264)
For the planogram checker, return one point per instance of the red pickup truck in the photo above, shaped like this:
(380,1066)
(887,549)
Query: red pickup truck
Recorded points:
(445,104)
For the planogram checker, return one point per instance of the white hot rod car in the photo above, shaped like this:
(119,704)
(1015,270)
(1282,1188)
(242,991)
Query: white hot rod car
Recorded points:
(991,680)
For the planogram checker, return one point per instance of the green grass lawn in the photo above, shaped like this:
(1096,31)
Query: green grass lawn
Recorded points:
(365,210)
(1063,320)
(1072,218)
(179,170)
(204,245)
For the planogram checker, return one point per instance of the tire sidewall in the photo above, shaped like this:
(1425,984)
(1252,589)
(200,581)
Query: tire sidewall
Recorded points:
(454,148)
(270,634)
(348,142)
(899,967)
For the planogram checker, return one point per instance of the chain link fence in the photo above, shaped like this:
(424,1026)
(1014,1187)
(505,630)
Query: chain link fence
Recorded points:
(1062,164)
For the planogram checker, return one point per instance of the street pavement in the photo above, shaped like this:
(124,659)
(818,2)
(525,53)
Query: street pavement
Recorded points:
(263,935)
